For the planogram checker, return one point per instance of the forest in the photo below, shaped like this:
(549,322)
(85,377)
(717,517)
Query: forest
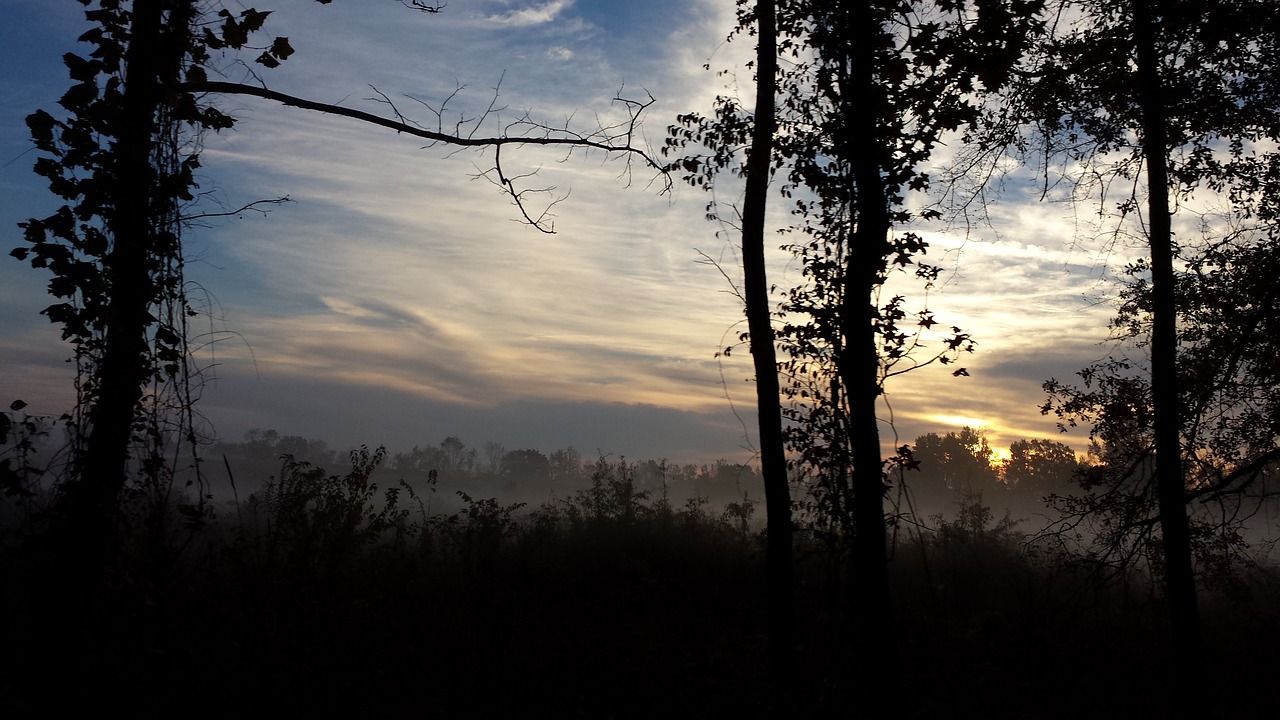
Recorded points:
(151,565)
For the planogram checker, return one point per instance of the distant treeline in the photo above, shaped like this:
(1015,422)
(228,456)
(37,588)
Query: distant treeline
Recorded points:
(944,470)
(490,470)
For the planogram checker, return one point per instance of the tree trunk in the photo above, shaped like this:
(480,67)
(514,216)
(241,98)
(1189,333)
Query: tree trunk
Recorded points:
(876,651)
(773,465)
(1180,587)
(153,60)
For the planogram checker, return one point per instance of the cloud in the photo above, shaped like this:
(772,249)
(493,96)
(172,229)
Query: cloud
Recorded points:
(531,15)
(560,53)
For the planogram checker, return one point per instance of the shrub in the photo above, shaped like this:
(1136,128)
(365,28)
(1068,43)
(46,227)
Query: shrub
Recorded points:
(317,521)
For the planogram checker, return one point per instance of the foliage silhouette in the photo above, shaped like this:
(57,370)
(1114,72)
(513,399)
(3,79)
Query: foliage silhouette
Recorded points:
(319,521)
(868,90)
(1169,97)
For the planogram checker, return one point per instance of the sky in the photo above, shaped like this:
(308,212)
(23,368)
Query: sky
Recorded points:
(397,300)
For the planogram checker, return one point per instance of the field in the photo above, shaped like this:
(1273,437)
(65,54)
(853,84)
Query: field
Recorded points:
(321,595)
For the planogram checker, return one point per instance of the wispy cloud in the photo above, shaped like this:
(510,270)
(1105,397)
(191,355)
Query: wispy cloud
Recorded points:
(531,15)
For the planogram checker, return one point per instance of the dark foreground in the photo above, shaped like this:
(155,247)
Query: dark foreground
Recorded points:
(606,606)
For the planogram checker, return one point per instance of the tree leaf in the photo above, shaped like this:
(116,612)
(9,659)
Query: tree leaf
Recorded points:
(281,48)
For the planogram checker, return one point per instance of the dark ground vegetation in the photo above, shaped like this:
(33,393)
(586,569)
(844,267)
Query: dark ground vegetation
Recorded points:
(326,594)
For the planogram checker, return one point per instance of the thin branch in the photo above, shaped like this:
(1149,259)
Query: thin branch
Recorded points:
(424,6)
(733,287)
(243,208)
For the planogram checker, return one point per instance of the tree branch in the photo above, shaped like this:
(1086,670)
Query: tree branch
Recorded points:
(242,209)
(611,139)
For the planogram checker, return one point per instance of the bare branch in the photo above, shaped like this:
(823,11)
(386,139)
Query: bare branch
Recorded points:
(424,6)
(243,208)
(400,117)
(493,108)
(733,287)
(569,138)
(616,139)
(544,222)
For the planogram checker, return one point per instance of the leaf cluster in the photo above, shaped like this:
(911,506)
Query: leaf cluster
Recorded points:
(18,437)
(1217,67)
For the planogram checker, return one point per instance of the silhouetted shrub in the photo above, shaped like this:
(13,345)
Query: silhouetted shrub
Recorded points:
(305,518)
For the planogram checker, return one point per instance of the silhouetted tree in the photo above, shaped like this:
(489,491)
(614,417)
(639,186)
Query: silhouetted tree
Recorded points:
(1038,468)
(1168,95)
(758,168)
(567,467)
(887,80)
(493,454)
(951,467)
(124,161)
(456,457)
(526,466)
(417,460)
(867,91)
(723,481)
(730,132)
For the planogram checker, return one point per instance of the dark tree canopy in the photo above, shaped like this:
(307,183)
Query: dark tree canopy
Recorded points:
(1038,468)
(950,466)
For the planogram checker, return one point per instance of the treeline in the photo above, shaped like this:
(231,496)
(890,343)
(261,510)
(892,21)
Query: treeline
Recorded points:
(490,470)
(946,471)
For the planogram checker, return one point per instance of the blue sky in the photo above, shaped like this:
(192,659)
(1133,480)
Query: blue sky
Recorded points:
(396,301)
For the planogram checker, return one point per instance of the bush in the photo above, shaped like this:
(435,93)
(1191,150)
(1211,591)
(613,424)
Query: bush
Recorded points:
(318,521)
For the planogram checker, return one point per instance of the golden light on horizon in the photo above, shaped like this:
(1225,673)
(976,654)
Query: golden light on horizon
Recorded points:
(960,421)
(995,437)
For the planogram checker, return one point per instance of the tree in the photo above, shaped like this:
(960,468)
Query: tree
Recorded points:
(1170,97)
(730,131)
(567,467)
(456,457)
(888,81)
(124,160)
(951,466)
(1038,468)
(493,455)
(526,466)
(869,88)
(725,136)
(773,462)
(1229,395)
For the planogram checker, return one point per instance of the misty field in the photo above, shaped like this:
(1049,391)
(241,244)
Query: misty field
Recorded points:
(321,593)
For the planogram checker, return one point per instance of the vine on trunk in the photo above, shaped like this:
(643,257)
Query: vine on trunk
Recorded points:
(122,154)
